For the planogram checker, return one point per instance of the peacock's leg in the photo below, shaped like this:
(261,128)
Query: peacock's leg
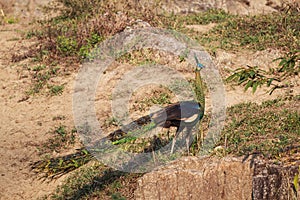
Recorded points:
(179,129)
(187,139)
(201,134)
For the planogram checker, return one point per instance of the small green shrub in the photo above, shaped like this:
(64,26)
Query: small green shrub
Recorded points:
(253,77)
(56,89)
(67,46)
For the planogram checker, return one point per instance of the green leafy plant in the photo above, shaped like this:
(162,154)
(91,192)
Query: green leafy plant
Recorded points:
(253,76)
(211,16)
(289,64)
(38,68)
(56,89)
(67,46)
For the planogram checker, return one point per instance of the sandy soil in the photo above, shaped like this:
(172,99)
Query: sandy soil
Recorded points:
(24,123)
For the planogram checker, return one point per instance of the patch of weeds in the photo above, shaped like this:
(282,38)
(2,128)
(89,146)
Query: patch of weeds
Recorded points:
(289,64)
(61,139)
(56,89)
(274,103)
(271,130)
(258,32)
(67,46)
(54,167)
(140,57)
(183,87)
(41,74)
(32,33)
(203,18)
(117,196)
(159,96)
(99,182)
(38,68)
(253,77)
(179,21)
(162,99)
(11,20)
(81,25)
(84,50)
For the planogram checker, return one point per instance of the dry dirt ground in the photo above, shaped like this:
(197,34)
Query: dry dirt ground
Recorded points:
(24,123)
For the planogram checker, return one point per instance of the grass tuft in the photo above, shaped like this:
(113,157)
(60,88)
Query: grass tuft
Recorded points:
(271,129)
(259,32)
(62,138)
(97,181)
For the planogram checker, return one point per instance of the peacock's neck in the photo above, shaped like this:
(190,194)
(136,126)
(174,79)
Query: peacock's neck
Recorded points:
(199,89)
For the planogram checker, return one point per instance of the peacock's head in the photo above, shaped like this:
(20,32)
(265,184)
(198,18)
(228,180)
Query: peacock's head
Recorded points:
(199,65)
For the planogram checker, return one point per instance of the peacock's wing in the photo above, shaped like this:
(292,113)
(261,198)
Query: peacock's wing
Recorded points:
(186,111)
(171,115)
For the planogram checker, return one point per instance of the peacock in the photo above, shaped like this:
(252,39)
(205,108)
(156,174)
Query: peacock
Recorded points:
(182,115)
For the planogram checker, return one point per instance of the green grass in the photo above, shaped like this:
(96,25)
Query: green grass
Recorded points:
(159,99)
(232,32)
(179,21)
(56,89)
(158,96)
(259,32)
(271,129)
(77,30)
(139,57)
(61,138)
(40,75)
(99,182)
